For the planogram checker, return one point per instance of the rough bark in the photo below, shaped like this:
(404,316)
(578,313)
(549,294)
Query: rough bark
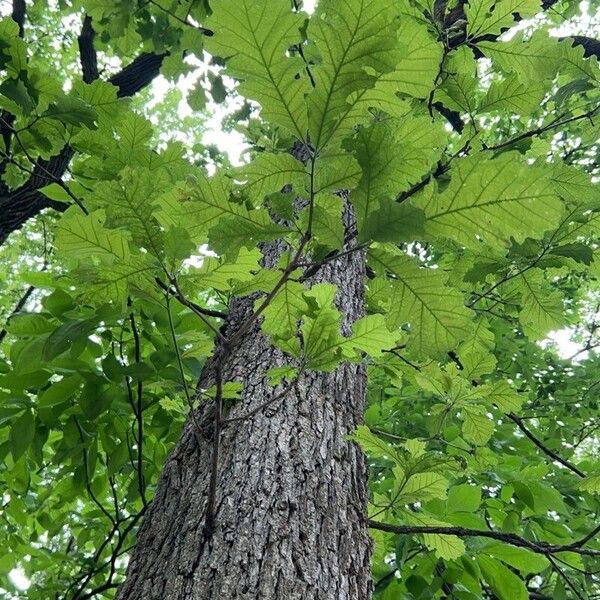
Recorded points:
(291,495)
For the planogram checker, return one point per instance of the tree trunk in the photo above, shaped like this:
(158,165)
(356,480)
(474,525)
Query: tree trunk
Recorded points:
(291,491)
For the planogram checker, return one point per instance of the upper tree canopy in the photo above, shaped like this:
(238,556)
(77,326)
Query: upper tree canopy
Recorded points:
(464,137)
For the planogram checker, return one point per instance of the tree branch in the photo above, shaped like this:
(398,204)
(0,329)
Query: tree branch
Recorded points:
(139,415)
(509,538)
(556,123)
(453,117)
(20,304)
(87,52)
(25,202)
(137,74)
(18,15)
(591,47)
(565,463)
(196,308)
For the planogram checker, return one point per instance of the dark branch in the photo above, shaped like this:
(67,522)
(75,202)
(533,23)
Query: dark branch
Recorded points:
(25,202)
(18,15)
(565,463)
(18,307)
(555,124)
(438,172)
(455,20)
(196,308)
(452,116)
(138,74)
(508,538)
(19,205)
(139,415)
(591,47)
(87,52)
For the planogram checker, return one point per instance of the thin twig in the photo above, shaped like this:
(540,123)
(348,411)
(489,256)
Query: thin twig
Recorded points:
(217,314)
(565,577)
(87,479)
(565,463)
(190,402)
(139,414)
(203,30)
(556,123)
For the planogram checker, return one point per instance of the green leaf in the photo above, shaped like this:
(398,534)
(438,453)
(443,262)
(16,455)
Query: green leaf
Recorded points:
(392,221)
(320,330)
(327,223)
(59,392)
(477,427)
(463,498)
(519,558)
(222,274)
(255,41)
(21,434)
(102,97)
(61,339)
(29,324)
(84,236)
(18,96)
(334,171)
(356,40)
(270,173)
(424,486)
(591,483)
(392,155)
(421,54)
(460,86)
(542,307)
(435,312)
(490,201)
(502,581)
(113,282)
(129,204)
(196,97)
(207,212)
(134,133)
(370,335)
(530,59)
(491,17)
(504,397)
(72,111)
(476,353)
(513,95)
(282,315)
(373,445)
(56,192)
(448,547)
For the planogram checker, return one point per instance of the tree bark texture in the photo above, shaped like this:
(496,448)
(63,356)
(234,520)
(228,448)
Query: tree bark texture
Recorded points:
(290,512)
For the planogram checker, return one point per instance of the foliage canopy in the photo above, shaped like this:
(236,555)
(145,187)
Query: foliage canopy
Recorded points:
(466,154)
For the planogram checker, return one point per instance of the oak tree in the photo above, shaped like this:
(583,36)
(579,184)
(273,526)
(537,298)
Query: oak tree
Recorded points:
(327,373)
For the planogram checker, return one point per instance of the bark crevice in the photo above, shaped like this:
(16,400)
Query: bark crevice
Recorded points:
(291,496)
